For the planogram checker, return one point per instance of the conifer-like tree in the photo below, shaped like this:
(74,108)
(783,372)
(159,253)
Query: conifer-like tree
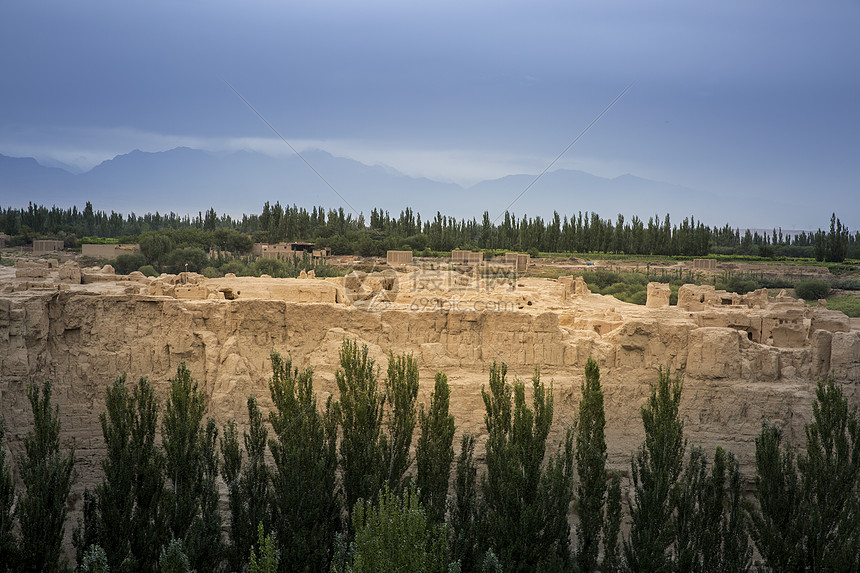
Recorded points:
(124,511)
(524,508)
(463,508)
(830,482)
(655,469)
(837,241)
(710,525)
(8,543)
(182,437)
(205,548)
(435,451)
(305,506)
(807,516)
(401,391)
(591,467)
(231,472)
(612,526)
(248,486)
(776,521)
(191,470)
(115,495)
(47,474)
(149,521)
(359,410)
(88,531)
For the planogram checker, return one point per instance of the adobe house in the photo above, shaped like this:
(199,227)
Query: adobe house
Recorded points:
(3,238)
(47,246)
(286,251)
(520,261)
(461,257)
(705,264)
(109,251)
(395,258)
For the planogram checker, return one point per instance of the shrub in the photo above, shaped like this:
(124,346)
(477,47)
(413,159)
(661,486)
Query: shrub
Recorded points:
(173,558)
(848,284)
(95,561)
(125,264)
(394,534)
(238,268)
(739,285)
(639,297)
(148,270)
(812,290)
(194,257)
(271,267)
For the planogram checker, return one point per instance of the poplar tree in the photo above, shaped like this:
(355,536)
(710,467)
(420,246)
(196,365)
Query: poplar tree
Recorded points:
(305,506)
(231,472)
(776,521)
(807,516)
(123,513)
(205,548)
(88,532)
(8,543)
(435,451)
(711,534)
(612,526)
(189,473)
(181,438)
(591,467)
(524,506)
(463,508)
(359,410)
(401,391)
(149,520)
(830,482)
(47,475)
(107,515)
(655,469)
(248,486)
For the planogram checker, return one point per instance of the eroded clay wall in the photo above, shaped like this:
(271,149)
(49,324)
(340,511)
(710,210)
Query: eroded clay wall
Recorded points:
(82,341)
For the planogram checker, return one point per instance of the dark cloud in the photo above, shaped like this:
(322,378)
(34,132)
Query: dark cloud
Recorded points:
(725,93)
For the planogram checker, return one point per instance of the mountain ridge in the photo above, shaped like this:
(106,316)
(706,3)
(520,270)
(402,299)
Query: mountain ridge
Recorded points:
(188,180)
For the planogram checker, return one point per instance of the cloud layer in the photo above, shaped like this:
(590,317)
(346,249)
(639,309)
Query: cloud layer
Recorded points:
(730,98)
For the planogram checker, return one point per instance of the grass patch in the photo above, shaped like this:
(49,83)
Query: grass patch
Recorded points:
(849,304)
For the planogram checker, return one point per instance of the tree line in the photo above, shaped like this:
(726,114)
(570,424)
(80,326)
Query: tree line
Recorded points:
(348,233)
(329,488)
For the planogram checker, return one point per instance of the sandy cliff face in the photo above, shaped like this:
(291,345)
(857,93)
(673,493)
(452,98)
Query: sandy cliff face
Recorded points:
(741,364)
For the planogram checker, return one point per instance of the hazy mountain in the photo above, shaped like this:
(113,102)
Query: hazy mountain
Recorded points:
(23,179)
(187,180)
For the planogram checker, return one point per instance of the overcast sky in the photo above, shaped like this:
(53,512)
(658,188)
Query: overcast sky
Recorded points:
(746,99)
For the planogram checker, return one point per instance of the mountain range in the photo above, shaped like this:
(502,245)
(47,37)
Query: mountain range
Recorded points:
(185,180)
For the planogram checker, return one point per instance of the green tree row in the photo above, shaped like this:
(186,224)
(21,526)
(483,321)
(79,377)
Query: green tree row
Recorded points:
(348,234)
(330,489)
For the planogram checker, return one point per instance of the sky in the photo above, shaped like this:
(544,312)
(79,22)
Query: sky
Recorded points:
(736,99)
